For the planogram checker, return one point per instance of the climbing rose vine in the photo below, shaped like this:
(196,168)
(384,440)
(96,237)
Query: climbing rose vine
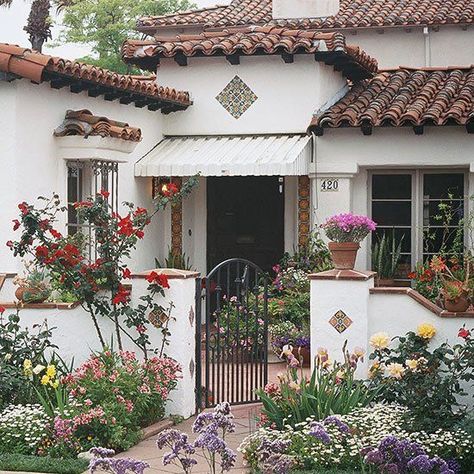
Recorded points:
(93,269)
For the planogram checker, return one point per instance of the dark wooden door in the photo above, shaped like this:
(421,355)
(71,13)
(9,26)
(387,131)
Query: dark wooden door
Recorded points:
(245,220)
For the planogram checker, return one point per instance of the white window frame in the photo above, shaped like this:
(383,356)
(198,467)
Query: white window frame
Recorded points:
(416,204)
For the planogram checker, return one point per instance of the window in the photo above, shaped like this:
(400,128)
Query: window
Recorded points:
(421,207)
(85,179)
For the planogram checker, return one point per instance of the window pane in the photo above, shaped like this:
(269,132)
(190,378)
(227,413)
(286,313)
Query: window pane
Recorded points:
(391,186)
(439,213)
(441,240)
(398,234)
(443,186)
(404,267)
(392,213)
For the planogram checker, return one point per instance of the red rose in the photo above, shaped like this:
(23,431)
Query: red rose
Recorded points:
(23,208)
(121,296)
(10,244)
(140,210)
(140,234)
(125,226)
(127,273)
(2,309)
(55,233)
(169,190)
(158,279)
(464,333)
(105,194)
(44,224)
(16,224)
(41,252)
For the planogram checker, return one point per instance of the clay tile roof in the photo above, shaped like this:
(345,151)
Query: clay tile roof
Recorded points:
(405,97)
(327,47)
(352,14)
(83,123)
(29,64)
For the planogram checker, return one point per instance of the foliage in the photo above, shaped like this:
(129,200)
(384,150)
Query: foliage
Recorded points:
(25,463)
(386,256)
(174,260)
(212,429)
(348,227)
(309,449)
(23,428)
(104,25)
(16,346)
(427,381)
(96,284)
(425,281)
(332,389)
(312,256)
(114,395)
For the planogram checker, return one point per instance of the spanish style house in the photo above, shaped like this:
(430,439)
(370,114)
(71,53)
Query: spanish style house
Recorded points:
(296,110)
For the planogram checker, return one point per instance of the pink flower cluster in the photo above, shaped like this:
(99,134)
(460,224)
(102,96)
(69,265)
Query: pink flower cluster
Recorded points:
(348,227)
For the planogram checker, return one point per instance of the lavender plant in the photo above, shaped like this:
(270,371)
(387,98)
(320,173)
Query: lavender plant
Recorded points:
(212,428)
(103,461)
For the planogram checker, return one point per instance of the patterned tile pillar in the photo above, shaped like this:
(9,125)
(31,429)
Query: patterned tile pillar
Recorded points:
(177,222)
(303,210)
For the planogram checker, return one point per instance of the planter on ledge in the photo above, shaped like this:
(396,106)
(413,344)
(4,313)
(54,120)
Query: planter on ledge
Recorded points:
(343,254)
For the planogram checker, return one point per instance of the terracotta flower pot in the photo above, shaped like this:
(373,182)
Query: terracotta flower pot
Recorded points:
(460,305)
(343,254)
(19,293)
(32,295)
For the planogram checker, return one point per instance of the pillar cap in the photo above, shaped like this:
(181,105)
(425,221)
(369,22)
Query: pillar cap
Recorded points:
(171,273)
(343,275)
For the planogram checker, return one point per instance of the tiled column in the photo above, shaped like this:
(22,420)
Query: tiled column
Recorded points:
(177,223)
(340,312)
(303,210)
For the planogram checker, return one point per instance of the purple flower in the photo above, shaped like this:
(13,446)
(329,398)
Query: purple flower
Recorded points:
(334,420)
(373,457)
(118,466)
(278,464)
(318,431)
(348,227)
(421,463)
(99,452)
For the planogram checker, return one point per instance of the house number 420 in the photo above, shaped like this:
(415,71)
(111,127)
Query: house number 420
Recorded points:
(330,184)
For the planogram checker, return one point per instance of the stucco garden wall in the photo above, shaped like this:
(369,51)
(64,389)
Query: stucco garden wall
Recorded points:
(31,165)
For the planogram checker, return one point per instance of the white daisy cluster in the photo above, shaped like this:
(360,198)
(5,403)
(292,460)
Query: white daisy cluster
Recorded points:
(23,428)
(368,426)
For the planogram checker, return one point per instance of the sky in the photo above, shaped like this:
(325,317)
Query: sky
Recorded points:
(13,19)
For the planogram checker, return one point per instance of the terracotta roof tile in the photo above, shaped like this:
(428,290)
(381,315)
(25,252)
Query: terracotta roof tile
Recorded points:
(332,47)
(84,123)
(352,14)
(79,76)
(405,97)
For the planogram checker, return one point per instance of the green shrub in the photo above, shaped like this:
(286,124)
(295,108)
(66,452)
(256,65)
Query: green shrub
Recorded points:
(19,462)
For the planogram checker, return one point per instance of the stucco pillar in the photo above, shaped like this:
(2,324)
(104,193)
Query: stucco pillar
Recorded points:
(182,326)
(340,312)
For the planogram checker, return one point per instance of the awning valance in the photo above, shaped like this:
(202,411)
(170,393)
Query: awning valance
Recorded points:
(236,155)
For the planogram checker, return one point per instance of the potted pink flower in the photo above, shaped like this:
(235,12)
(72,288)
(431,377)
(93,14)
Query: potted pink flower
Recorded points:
(346,231)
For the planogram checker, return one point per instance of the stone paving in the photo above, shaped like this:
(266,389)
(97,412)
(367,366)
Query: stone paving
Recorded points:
(244,416)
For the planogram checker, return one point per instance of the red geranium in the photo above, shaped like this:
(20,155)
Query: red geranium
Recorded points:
(55,233)
(41,252)
(126,273)
(464,333)
(23,208)
(105,194)
(125,226)
(158,279)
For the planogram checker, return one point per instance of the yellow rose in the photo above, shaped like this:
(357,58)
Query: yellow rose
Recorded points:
(411,364)
(380,340)
(51,371)
(396,370)
(426,331)
(45,380)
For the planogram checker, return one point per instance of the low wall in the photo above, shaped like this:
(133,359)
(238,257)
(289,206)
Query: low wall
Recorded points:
(76,337)
(345,306)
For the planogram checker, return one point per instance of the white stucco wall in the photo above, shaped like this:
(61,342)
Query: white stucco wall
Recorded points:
(348,155)
(393,47)
(288,94)
(31,165)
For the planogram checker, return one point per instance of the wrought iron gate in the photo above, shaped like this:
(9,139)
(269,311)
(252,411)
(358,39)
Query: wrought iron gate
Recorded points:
(231,334)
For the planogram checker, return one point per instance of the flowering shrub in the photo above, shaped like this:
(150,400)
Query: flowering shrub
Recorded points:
(114,395)
(348,227)
(23,428)
(212,428)
(427,381)
(331,389)
(286,333)
(340,442)
(103,461)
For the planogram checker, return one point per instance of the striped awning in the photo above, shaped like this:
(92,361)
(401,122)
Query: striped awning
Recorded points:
(236,155)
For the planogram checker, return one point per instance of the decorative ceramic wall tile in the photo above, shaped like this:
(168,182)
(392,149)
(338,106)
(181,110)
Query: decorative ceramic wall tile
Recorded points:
(340,321)
(192,367)
(236,97)
(191,316)
(177,222)
(303,210)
